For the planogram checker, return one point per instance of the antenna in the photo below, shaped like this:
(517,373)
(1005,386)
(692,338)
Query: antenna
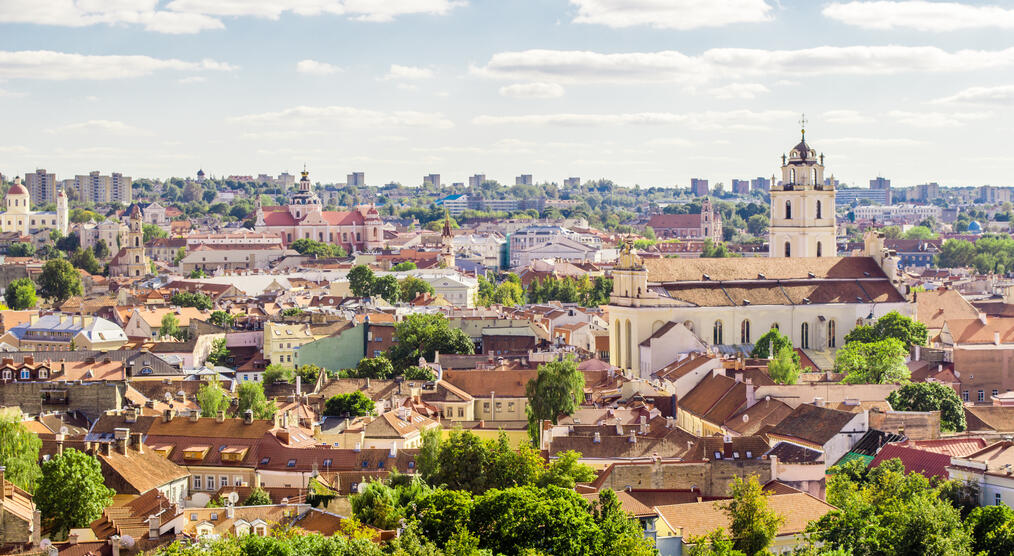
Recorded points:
(233,497)
(64,430)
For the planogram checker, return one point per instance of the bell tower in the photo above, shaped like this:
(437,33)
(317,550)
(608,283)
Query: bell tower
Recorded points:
(802,206)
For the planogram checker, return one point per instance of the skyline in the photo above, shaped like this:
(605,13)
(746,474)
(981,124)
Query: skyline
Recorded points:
(639,91)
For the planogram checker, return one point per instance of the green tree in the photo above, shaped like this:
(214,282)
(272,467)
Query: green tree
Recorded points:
(931,396)
(375,367)
(712,250)
(557,389)
(151,231)
(170,327)
(992,530)
(566,471)
(617,532)
(258,497)
(222,319)
(462,462)
(509,467)
(71,492)
(891,232)
(421,335)
(441,513)
(880,362)
(353,404)
(919,232)
(308,373)
(85,260)
(955,253)
(101,249)
(752,524)
(418,373)
(19,454)
(212,398)
(757,225)
(377,505)
(892,325)
(20,249)
(306,246)
(20,294)
(251,396)
(275,372)
(508,294)
(784,366)
(192,299)
(59,281)
(361,281)
(219,354)
(388,288)
(403,266)
(770,343)
(715,543)
(412,287)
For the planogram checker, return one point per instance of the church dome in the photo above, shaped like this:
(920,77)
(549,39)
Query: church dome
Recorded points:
(17,189)
(974,227)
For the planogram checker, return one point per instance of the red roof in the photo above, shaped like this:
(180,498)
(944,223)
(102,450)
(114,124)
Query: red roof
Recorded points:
(675,221)
(280,216)
(930,464)
(16,189)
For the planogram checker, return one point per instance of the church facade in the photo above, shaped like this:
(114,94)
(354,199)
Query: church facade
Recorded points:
(19,217)
(812,296)
(304,218)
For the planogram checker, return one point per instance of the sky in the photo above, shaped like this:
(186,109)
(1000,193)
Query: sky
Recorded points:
(648,92)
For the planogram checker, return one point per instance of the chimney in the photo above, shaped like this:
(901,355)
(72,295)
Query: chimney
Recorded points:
(72,539)
(230,511)
(633,438)
(359,447)
(36,528)
(819,402)
(122,437)
(996,338)
(153,526)
(751,394)
(597,439)
(739,377)
(220,416)
(130,416)
(982,318)
(59,437)
(167,415)
(194,415)
(115,542)
(248,417)
(108,448)
(138,441)
(394,451)
(644,426)
(670,422)
(619,428)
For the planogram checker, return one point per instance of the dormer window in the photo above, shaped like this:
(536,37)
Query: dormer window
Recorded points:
(26,374)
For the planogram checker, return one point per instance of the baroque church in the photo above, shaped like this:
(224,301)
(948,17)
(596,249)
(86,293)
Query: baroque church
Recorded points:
(19,217)
(803,289)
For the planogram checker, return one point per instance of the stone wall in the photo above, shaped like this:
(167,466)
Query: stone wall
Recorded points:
(712,478)
(917,425)
(90,398)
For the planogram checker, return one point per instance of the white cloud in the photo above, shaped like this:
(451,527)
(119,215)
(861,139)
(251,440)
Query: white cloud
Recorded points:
(936,119)
(671,14)
(343,116)
(313,67)
(193,16)
(192,79)
(110,127)
(739,90)
(668,142)
(532,90)
(1002,95)
(920,15)
(872,142)
(47,64)
(734,119)
(408,72)
(576,66)
(847,117)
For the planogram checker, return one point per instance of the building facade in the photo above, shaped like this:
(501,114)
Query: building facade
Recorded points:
(802,207)
(19,217)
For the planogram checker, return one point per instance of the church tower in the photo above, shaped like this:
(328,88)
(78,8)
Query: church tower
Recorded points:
(447,239)
(802,207)
(135,261)
(62,213)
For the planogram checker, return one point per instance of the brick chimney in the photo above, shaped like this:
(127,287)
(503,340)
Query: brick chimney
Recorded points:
(220,416)
(122,437)
(153,526)
(137,441)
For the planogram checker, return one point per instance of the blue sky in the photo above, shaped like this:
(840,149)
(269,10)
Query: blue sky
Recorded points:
(649,92)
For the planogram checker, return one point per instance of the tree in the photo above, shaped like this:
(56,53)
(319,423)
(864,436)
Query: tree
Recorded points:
(428,459)
(462,462)
(258,497)
(71,492)
(441,513)
(319,249)
(20,294)
(20,249)
(101,249)
(509,467)
(557,389)
(931,396)
(566,471)
(712,250)
(170,327)
(992,529)
(891,232)
(757,225)
(403,266)
(715,543)
(617,532)
(308,373)
(752,524)
(219,354)
(211,397)
(375,367)
(919,232)
(900,327)
(192,299)
(770,343)
(388,288)
(418,373)
(19,454)
(85,260)
(251,396)
(421,335)
(955,253)
(361,281)
(508,294)
(376,505)
(222,319)
(412,287)
(784,366)
(353,404)
(151,231)
(275,372)
(59,281)
(872,363)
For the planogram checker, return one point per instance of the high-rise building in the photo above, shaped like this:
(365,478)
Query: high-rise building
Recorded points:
(41,186)
(882,184)
(356,179)
(432,179)
(96,188)
(927,192)
(476,180)
(760,183)
(572,182)
(524,179)
(802,208)
(699,187)
(741,187)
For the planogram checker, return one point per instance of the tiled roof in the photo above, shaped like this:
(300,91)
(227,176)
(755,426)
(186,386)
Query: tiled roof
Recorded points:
(701,518)
(662,221)
(716,398)
(794,453)
(990,418)
(973,331)
(736,447)
(144,470)
(934,307)
(813,424)
(930,464)
(773,268)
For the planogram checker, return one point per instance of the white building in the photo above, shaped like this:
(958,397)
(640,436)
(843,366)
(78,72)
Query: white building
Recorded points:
(873,212)
(802,207)
(19,217)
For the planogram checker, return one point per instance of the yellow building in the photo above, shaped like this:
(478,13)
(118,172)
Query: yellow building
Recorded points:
(282,340)
(18,215)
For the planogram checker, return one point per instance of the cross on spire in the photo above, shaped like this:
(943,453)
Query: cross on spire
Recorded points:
(802,125)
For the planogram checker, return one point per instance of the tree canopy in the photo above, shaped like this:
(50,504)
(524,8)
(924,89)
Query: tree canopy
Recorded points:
(19,454)
(931,396)
(20,294)
(352,404)
(212,398)
(422,335)
(59,281)
(71,492)
(878,362)
(557,389)
(905,329)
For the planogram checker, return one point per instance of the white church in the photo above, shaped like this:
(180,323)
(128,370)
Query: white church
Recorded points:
(804,289)
(19,216)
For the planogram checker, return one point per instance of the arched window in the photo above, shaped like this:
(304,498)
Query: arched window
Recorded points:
(617,343)
(804,335)
(792,175)
(744,332)
(813,176)
(630,364)
(831,329)
(819,211)
(717,333)
(788,249)
(819,249)
(788,209)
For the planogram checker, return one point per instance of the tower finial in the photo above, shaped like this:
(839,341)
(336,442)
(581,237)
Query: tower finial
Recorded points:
(802,126)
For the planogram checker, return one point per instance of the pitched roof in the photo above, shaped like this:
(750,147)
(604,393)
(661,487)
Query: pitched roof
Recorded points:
(930,464)
(700,518)
(973,331)
(661,221)
(773,268)
(813,424)
(934,307)
(736,447)
(716,398)
(143,470)
(765,413)
(990,418)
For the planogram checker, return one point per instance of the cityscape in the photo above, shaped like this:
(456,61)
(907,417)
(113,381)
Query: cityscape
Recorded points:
(456,278)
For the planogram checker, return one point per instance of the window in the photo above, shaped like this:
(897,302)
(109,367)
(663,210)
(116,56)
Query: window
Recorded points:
(788,210)
(214,516)
(982,396)
(197,482)
(364,464)
(291,463)
(237,480)
(43,373)
(964,395)
(411,465)
(744,332)
(26,374)
(831,329)
(804,335)
(788,249)
(996,499)
(211,482)
(819,249)
(327,463)
(996,392)
(716,334)
(380,464)
(792,177)
(193,517)
(818,204)
(223,481)
(461,412)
